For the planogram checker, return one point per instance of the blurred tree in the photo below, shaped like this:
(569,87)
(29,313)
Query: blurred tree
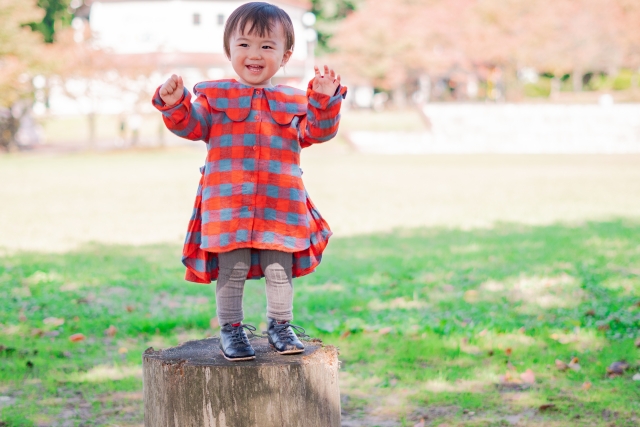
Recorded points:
(328,14)
(20,59)
(56,14)
(391,43)
(629,24)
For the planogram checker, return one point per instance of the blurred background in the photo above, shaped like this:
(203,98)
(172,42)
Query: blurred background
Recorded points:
(482,189)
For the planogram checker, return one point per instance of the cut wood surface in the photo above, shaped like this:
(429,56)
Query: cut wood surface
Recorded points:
(194,385)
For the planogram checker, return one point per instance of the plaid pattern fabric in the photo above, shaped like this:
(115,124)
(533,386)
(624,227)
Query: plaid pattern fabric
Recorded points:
(251,193)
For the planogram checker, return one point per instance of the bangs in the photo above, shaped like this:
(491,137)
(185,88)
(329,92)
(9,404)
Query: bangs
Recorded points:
(261,19)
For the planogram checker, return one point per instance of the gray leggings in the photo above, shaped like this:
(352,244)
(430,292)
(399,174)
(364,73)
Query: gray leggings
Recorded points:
(233,269)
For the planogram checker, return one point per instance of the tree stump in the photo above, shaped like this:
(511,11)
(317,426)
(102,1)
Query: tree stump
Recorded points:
(193,385)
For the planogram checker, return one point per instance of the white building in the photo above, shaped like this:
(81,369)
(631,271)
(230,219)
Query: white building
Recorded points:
(184,37)
(187,35)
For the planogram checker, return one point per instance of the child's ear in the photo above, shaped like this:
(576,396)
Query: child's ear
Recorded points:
(286,57)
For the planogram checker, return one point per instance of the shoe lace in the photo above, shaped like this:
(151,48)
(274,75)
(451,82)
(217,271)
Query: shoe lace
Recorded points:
(238,335)
(285,331)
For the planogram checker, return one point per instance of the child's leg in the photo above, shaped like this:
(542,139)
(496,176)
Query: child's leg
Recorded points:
(277,267)
(233,269)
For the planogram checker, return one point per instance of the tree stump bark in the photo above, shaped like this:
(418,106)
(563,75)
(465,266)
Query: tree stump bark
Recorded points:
(193,385)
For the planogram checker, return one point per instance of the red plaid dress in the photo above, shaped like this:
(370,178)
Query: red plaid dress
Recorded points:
(251,193)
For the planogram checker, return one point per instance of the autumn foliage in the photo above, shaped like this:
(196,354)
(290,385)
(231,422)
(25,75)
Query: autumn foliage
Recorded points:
(387,43)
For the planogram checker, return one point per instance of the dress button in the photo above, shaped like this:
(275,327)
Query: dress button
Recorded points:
(257,116)
(250,208)
(258,91)
(255,148)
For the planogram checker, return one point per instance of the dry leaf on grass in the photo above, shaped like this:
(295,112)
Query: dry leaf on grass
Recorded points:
(574,364)
(122,350)
(385,331)
(586,385)
(420,424)
(345,334)
(53,321)
(111,331)
(130,308)
(561,365)
(546,407)
(77,337)
(617,369)
(528,377)
(508,351)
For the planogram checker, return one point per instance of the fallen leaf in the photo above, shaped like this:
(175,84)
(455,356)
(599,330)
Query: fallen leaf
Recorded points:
(490,352)
(420,424)
(604,327)
(385,331)
(586,385)
(111,331)
(528,377)
(53,321)
(590,312)
(77,337)
(616,369)
(482,333)
(574,364)
(213,323)
(546,406)
(508,351)
(37,332)
(470,296)
(76,319)
(561,365)
(345,334)
(130,308)
(122,350)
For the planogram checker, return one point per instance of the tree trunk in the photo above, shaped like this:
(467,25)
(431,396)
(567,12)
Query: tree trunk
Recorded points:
(193,385)
(576,79)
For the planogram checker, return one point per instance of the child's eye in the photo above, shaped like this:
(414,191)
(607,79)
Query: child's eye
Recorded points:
(243,45)
(267,47)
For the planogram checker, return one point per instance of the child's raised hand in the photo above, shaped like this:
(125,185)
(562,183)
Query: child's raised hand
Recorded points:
(326,84)
(171,91)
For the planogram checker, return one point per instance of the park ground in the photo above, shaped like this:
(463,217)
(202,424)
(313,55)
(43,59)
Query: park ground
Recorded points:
(469,290)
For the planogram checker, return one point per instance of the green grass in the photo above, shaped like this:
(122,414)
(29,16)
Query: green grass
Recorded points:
(424,319)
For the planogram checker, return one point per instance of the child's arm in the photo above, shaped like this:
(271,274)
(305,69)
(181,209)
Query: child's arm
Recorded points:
(323,112)
(191,121)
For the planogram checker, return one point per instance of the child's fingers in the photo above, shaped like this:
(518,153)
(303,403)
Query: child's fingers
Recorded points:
(326,70)
(332,74)
(338,78)
(180,86)
(317,71)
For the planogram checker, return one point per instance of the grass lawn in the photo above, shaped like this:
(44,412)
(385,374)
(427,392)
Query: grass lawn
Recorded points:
(433,323)
(451,287)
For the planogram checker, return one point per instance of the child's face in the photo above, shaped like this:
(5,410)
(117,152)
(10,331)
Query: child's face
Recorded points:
(256,59)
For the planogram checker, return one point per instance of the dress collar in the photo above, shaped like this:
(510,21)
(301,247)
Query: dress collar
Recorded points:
(234,99)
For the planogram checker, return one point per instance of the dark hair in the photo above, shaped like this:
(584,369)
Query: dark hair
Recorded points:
(262,17)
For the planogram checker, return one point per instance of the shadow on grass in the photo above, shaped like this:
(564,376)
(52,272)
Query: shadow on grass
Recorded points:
(425,319)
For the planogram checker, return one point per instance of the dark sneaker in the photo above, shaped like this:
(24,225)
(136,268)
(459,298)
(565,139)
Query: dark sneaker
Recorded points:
(235,344)
(283,339)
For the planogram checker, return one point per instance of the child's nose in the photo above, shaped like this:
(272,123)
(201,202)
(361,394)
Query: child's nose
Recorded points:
(255,53)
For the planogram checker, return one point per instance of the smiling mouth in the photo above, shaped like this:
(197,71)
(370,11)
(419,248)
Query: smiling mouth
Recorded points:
(254,68)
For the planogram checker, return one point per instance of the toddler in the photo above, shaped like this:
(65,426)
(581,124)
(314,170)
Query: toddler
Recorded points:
(253,217)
